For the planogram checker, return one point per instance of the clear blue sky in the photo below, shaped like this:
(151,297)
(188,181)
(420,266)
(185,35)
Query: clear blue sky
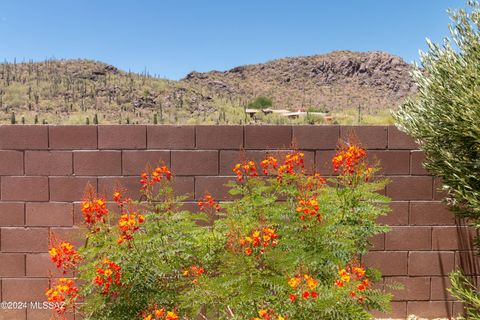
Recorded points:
(171,38)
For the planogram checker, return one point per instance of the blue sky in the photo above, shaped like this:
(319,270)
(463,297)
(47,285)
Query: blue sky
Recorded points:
(171,38)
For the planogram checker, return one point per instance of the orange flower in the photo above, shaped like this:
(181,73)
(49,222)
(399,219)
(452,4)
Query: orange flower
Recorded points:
(308,208)
(208,202)
(269,161)
(160,173)
(268,315)
(245,169)
(64,256)
(292,161)
(348,159)
(128,224)
(155,313)
(109,273)
(304,286)
(193,272)
(259,240)
(353,278)
(63,294)
(94,208)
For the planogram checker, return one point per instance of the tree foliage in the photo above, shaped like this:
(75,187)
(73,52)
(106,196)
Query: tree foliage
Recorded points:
(445,119)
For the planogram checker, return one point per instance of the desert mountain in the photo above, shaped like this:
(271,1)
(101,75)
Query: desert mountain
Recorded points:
(70,91)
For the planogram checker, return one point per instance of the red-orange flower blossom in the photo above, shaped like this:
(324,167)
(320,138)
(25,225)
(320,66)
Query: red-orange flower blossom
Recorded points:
(94,208)
(259,240)
(156,313)
(157,175)
(269,162)
(193,272)
(128,224)
(354,279)
(308,208)
(245,169)
(62,294)
(264,314)
(208,202)
(348,158)
(64,256)
(108,274)
(304,287)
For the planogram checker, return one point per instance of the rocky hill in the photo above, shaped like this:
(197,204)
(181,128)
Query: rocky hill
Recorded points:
(336,81)
(80,91)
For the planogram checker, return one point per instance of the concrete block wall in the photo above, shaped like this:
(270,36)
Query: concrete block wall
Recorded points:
(44,169)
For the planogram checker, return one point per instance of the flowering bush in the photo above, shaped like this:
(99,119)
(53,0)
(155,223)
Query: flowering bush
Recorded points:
(289,246)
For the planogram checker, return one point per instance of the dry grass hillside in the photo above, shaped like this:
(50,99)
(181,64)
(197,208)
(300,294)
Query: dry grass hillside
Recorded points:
(353,87)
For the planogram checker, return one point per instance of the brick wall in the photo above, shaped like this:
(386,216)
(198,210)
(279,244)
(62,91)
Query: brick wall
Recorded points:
(44,169)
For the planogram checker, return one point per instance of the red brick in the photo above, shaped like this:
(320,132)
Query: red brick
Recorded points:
(377,242)
(12,214)
(11,162)
(370,137)
(468,262)
(46,314)
(184,186)
(316,137)
(102,163)
(452,238)
(430,213)
(213,185)
(130,185)
(430,309)
(268,137)
(391,162)
(229,158)
(409,238)
(399,310)
(410,188)
(430,263)
(439,286)
(416,163)
(24,289)
(400,140)
(24,188)
(12,265)
(48,163)
(24,239)
(438,192)
(194,163)
(69,188)
(134,162)
(170,137)
(415,288)
(458,309)
(219,137)
(39,265)
(389,263)
(74,235)
(398,216)
(323,161)
(122,137)
(14,314)
(49,214)
(23,137)
(73,137)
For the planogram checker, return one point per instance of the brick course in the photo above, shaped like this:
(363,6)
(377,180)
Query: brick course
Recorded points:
(44,171)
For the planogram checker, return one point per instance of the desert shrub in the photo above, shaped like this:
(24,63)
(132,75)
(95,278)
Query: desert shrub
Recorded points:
(260,102)
(289,246)
(444,118)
